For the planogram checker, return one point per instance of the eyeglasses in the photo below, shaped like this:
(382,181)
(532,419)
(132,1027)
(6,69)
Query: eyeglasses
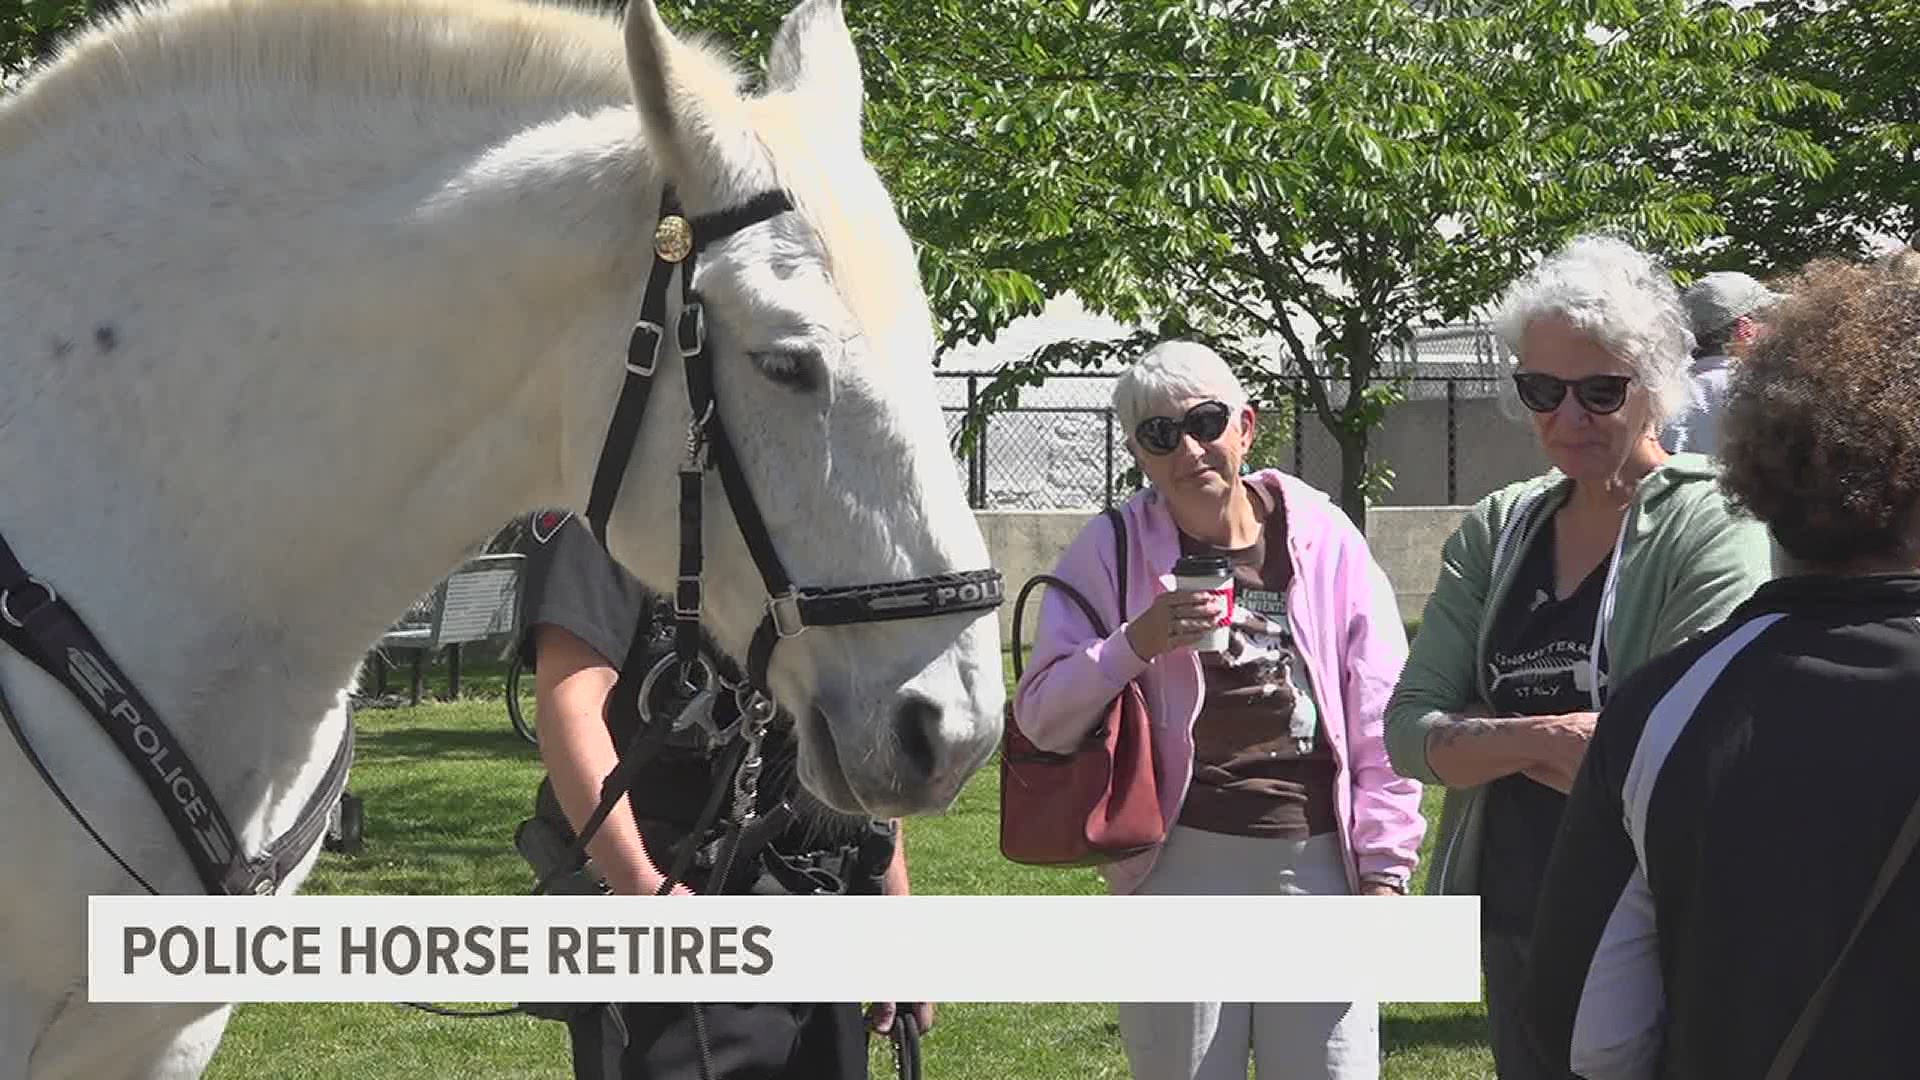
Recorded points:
(1598,394)
(1206,422)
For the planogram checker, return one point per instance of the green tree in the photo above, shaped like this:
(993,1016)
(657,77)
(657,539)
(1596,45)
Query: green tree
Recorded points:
(1863,53)
(1296,180)
(30,28)
(1324,174)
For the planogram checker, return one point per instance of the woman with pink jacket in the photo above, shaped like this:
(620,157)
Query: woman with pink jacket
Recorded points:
(1272,774)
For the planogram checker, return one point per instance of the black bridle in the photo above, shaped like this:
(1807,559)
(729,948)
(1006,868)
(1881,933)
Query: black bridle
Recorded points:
(791,609)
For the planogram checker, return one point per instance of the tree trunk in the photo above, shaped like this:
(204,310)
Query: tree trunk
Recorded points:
(1353,475)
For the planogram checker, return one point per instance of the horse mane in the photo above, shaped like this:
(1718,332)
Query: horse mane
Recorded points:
(499,51)
(870,259)
(219,57)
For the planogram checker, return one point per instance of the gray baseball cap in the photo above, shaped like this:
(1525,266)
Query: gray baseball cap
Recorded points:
(1723,296)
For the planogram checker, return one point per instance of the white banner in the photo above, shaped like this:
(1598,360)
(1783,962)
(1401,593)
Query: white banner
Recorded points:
(741,948)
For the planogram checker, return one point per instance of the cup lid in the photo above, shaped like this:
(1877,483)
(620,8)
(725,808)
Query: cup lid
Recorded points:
(1201,565)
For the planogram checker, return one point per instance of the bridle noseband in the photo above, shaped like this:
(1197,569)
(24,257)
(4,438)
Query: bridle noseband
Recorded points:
(790,609)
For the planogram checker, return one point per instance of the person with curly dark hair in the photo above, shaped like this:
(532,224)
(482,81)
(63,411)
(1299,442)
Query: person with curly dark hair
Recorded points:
(1730,894)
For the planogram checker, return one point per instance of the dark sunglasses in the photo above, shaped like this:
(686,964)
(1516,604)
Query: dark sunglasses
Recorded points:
(1206,422)
(1598,394)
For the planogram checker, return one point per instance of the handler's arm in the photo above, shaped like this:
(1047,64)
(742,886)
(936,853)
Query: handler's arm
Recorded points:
(573,682)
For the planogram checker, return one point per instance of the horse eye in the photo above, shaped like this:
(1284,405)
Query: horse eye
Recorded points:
(800,370)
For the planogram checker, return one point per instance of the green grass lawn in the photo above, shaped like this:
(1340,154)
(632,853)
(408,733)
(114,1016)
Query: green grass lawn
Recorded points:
(445,784)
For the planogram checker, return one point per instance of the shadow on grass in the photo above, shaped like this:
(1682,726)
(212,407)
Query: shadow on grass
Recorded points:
(1466,1028)
(448,744)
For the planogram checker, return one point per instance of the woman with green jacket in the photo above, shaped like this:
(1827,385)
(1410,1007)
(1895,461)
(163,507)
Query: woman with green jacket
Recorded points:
(1554,588)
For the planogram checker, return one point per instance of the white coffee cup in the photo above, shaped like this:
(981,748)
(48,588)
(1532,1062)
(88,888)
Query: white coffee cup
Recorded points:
(1208,574)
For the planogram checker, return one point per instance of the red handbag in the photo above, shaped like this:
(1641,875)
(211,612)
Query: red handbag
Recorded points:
(1100,802)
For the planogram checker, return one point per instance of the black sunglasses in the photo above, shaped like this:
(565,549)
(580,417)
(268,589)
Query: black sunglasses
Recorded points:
(1598,394)
(1206,422)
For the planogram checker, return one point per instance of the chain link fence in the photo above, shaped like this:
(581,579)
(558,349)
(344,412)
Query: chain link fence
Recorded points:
(1061,448)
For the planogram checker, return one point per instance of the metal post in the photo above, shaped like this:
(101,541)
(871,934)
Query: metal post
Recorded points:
(974,495)
(1107,413)
(1453,444)
(980,460)
(453,673)
(1299,437)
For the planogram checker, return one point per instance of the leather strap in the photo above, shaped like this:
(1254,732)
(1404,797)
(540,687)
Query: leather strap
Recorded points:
(643,359)
(39,624)
(1119,523)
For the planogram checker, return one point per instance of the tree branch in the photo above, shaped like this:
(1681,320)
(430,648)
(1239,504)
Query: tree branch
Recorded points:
(1302,356)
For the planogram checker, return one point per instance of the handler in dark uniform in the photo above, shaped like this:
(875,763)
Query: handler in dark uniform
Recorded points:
(581,610)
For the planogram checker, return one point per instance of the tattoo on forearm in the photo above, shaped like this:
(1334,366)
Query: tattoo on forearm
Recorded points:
(1453,731)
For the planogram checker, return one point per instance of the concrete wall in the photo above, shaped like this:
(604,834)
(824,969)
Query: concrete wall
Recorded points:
(1491,450)
(1405,540)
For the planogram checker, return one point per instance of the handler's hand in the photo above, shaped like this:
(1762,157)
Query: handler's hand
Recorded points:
(645,882)
(880,1016)
(1174,621)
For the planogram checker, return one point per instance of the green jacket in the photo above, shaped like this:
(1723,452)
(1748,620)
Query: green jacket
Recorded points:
(1685,563)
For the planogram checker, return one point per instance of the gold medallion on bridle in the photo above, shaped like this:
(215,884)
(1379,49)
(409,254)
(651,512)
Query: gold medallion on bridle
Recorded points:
(673,238)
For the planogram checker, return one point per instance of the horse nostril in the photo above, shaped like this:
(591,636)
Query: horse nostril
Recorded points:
(914,721)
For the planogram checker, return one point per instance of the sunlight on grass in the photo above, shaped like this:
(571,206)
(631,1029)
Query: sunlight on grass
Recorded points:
(446,784)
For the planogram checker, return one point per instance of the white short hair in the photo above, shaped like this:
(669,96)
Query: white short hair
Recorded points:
(1620,295)
(1172,371)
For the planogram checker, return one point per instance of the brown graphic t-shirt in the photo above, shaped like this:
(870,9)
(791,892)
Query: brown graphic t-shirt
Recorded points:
(1261,766)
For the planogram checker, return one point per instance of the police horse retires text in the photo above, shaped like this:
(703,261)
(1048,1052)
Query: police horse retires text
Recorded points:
(297,299)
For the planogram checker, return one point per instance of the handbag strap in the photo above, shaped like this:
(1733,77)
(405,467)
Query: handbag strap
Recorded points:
(1796,1040)
(1086,607)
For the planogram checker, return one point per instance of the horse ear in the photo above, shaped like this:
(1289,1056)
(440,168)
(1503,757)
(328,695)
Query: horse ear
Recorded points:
(813,55)
(689,101)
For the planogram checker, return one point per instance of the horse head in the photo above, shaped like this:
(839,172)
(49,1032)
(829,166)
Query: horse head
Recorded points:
(820,344)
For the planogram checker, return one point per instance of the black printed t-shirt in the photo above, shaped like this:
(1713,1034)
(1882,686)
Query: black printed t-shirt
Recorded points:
(1537,665)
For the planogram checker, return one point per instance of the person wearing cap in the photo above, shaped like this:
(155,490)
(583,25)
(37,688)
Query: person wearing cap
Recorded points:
(1273,779)
(1553,589)
(1904,262)
(1724,308)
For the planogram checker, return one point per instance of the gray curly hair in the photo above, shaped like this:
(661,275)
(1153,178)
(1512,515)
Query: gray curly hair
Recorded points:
(1622,296)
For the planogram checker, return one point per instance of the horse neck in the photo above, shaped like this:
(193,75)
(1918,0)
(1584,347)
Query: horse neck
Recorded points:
(502,308)
(262,467)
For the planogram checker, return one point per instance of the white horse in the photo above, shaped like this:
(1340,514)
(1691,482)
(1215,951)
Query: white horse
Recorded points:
(299,300)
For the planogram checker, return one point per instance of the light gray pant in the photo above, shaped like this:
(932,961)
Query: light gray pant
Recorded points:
(1212,1040)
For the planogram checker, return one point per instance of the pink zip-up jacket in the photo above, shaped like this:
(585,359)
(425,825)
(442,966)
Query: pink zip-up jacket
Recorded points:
(1345,623)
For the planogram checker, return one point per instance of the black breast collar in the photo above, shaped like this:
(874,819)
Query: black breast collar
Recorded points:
(45,629)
